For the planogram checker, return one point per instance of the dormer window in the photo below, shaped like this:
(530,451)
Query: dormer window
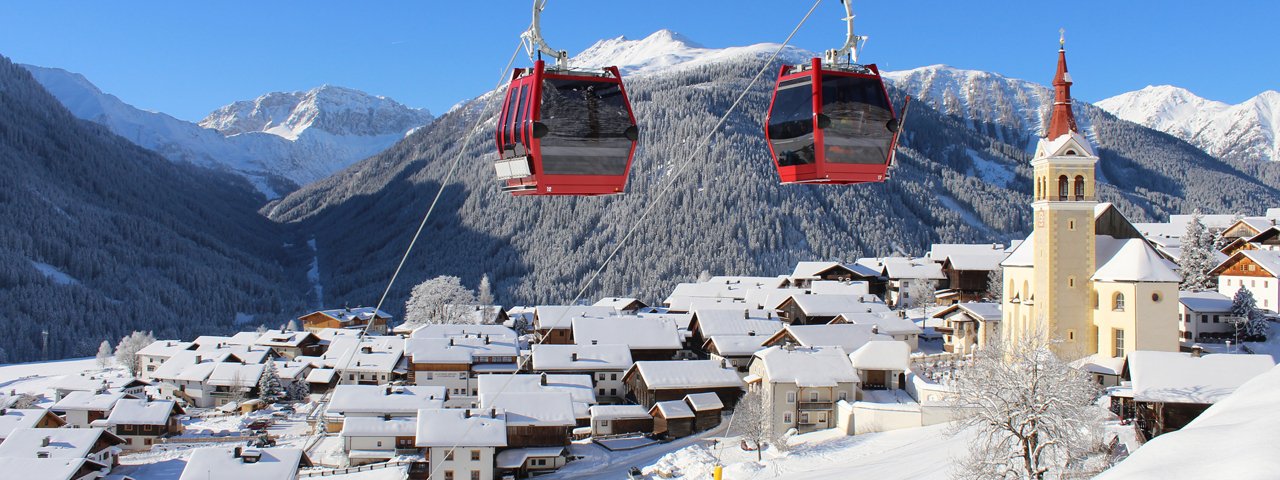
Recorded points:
(1071,152)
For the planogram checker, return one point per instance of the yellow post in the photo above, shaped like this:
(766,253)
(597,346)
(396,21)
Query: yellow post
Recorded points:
(718,473)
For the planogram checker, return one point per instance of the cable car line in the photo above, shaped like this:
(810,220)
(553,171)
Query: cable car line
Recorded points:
(662,194)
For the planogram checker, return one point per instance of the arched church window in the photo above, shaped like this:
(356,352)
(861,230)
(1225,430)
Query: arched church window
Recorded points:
(1117,302)
(1079,187)
(1062,188)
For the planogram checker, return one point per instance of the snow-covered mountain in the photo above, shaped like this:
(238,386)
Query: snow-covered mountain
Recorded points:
(1242,133)
(665,50)
(1009,109)
(278,141)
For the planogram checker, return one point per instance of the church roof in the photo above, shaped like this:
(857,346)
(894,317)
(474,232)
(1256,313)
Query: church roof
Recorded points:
(1131,260)
(1062,120)
(1023,256)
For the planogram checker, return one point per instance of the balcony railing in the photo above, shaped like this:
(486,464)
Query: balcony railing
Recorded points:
(817,406)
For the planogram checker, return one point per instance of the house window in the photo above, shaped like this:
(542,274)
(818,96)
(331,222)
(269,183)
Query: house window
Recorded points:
(613,376)
(379,443)
(1217,318)
(601,392)
(1071,335)
(475,475)
(1117,302)
(804,418)
(1119,343)
(602,376)
(844,395)
(791,397)
(613,392)
(448,456)
(813,396)
(475,455)
(1204,319)
(1155,297)
(448,475)
(786,418)
(1071,225)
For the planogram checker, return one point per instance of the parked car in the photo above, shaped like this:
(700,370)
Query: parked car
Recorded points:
(259,424)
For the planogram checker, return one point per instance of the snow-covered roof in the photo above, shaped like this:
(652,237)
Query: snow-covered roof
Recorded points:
(1132,260)
(816,269)
(1239,433)
(15,418)
(130,411)
(619,303)
(701,402)
(1268,260)
(279,338)
(516,457)
(1175,377)
(885,323)
(1052,146)
(1100,363)
(235,375)
(736,345)
(980,310)
(164,348)
(617,412)
(439,427)
(562,316)
(912,268)
(882,355)
(385,398)
(674,374)
(63,442)
(939,252)
(448,330)
(320,375)
(737,321)
(81,382)
(458,350)
(48,468)
(533,408)
(807,366)
(832,305)
(844,335)
(547,357)
(346,315)
(579,387)
(221,463)
(368,354)
(88,401)
(673,409)
(1024,255)
(633,331)
(292,370)
(379,426)
(1205,302)
(830,287)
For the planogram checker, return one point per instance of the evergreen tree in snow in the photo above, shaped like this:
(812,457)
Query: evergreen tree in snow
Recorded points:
(1248,320)
(704,276)
(299,390)
(270,389)
(1197,261)
(995,285)
(127,351)
(484,293)
(292,326)
(104,355)
(440,300)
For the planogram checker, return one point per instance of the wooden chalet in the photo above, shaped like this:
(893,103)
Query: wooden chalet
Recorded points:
(359,317)
(660,381)
(672,419)
(1170,389)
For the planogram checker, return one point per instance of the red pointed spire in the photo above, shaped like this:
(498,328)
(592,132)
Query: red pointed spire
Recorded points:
(1062,120)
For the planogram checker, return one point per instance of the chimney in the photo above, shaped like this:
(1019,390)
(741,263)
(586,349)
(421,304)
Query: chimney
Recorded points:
(386,417)
(751,333)
(388,389)
(44,442)
(450,341)
(486,339)
(493,413)
(543,379)
(1197,351)
(573,356)
(466,413)
(235,453)
(746,314)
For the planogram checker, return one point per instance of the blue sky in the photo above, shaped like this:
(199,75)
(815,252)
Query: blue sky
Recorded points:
(187,59)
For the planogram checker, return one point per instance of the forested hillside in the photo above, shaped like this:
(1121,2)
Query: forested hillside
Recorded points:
(101,237)
(959,180)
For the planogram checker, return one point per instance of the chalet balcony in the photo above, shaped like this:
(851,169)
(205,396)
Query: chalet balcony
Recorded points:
(816,406)
(944,330)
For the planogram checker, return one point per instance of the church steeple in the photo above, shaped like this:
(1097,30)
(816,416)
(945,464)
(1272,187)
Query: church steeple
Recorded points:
(1062,119)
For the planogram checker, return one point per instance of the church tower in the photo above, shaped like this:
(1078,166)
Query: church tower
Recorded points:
(1064,201)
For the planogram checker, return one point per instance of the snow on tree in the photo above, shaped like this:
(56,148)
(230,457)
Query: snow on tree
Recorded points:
(261,329)
(1248,320)
(1033,414)
(104,355)
(299,390)
(753,422)
(292,326)
(270,389)
(920,293)
(127,350)
(484,292)
(1197,260)
(440,300)
(704,276)
(995,285)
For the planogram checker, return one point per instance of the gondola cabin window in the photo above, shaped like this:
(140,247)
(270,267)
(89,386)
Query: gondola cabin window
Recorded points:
(791,123)
(855,120)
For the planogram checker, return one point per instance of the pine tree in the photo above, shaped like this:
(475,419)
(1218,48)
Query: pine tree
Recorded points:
(995,285)
(1197,261)
(484,293)
(270,389)
(299,390)
(704,276)
(1248,320)
(104,355)
(292,326)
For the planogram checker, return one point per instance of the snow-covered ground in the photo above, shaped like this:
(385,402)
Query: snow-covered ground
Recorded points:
(40,378)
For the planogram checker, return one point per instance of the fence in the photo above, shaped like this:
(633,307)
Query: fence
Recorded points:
(361,468)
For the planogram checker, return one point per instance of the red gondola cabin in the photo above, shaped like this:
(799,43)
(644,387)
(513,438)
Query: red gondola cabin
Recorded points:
(831,126)
(565,133)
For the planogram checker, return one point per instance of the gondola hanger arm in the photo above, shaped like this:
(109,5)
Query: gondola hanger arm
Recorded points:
(534,43)
(852,42)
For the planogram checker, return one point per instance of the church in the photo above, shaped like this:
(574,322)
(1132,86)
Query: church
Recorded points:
(1085,277)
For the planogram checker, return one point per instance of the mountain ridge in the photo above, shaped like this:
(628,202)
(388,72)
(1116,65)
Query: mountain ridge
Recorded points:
(1244,133)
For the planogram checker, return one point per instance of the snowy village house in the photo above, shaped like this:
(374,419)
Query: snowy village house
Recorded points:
(1170,389)
(579,388)
(347,318)
(461,457)
(844,335)
(1085,277)
(378,439)
(885,323)
(81,409)
(368,360)
(609,420)
(1207,317)
(152,356)
(240,463)
(52,468)
(968,327)
(77,383)
(733,335)
(623,305)
(455,362)
(967,270)
(694,413)
(1256,270)
(379,401)
(14,418)
(881,365)
(96,445)
(647,338)
(290,344)
(604,364)
(911,277)
(534,418)
(141,422)
(806,273)
(660,381)
(801,385)
(554,323)
(820,309)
